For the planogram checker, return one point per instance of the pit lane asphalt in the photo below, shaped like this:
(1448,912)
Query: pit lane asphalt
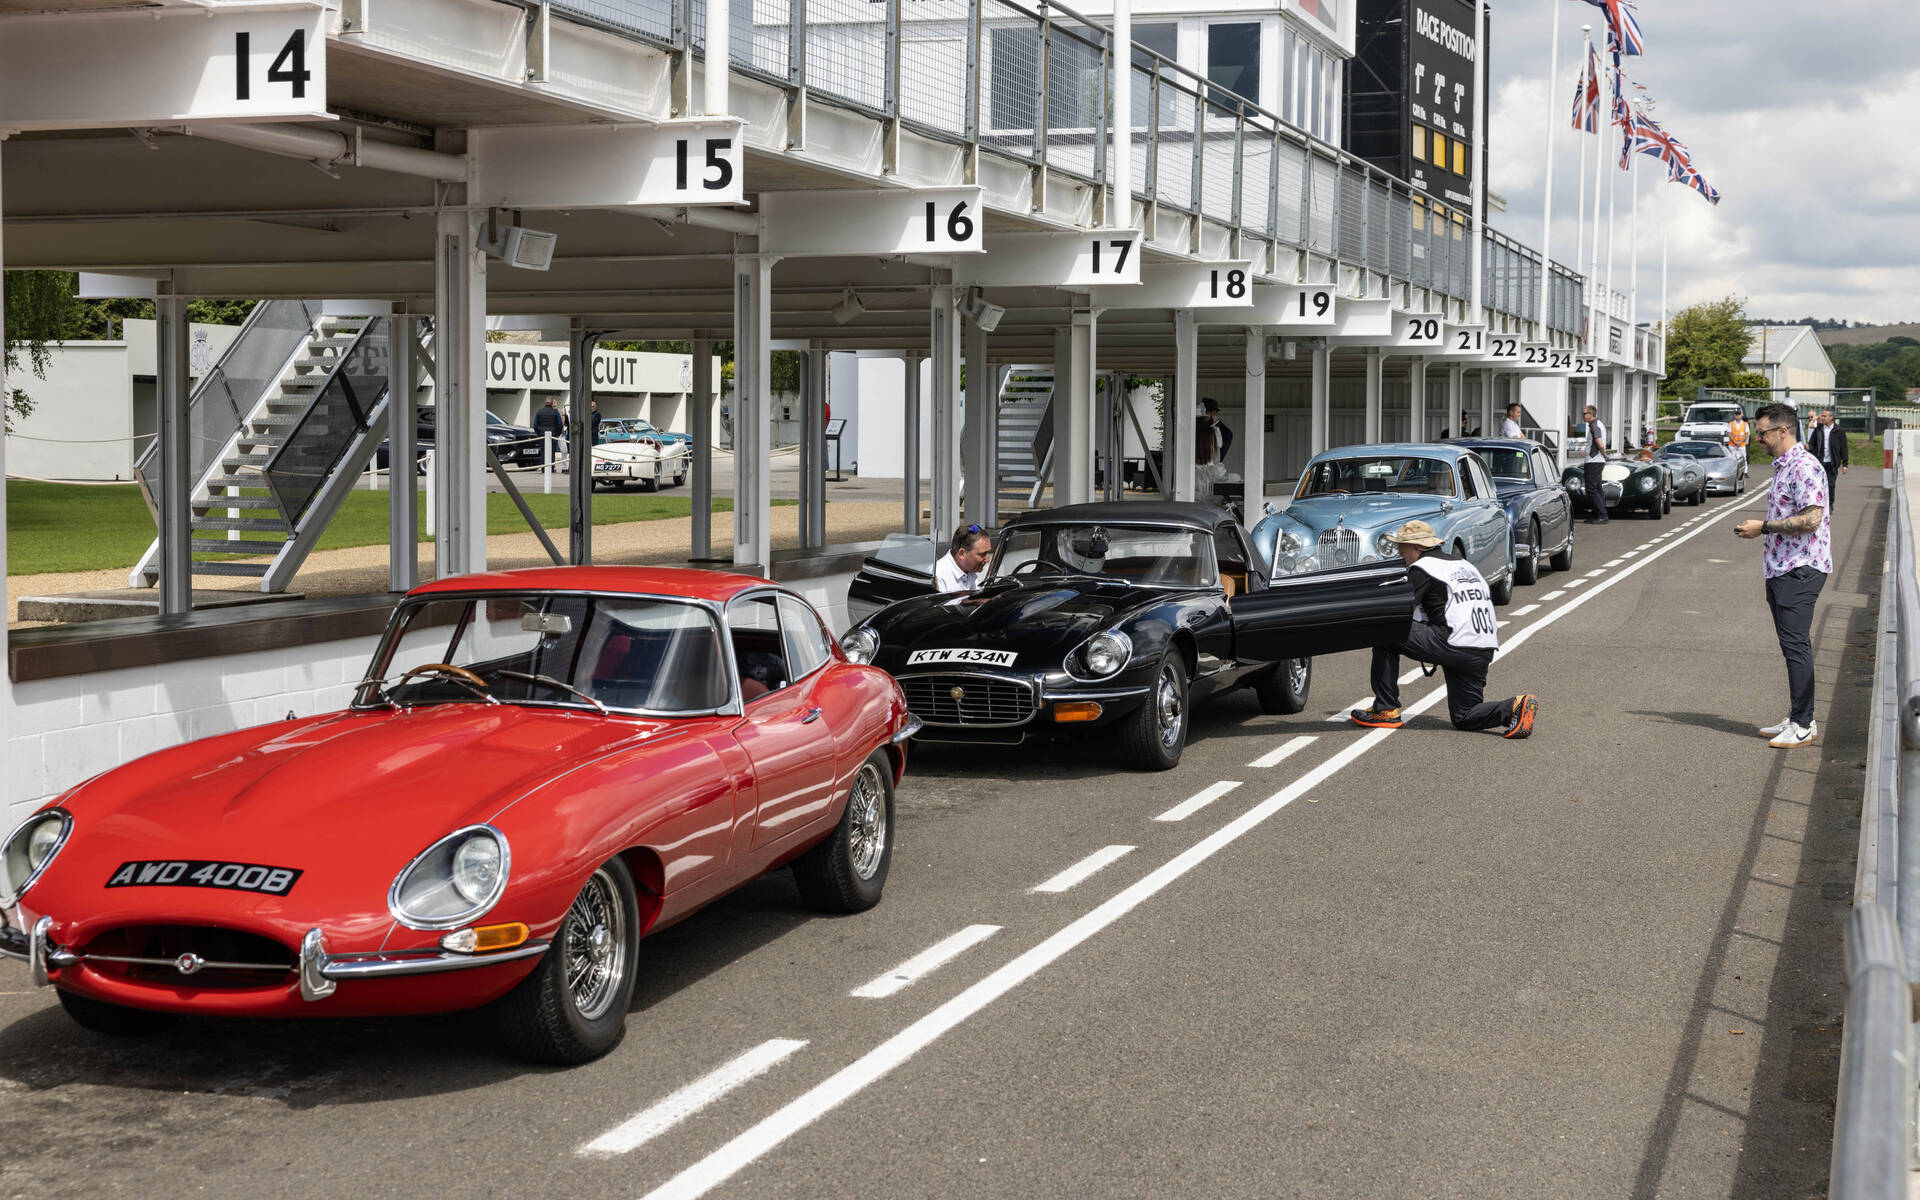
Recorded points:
(1604,961)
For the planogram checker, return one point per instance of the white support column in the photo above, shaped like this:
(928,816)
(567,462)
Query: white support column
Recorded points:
(910,455)
(1417,400)
(700,426)
(1488,386)
(1375,364)
(1320,399)
(460,395)
(1073,411)
(1179,434)
(978,452)
(403,491)
(1616,405)
(813,450)
(1456,398)
(7,796)
(175,457)
(580,445)
(1253,433)
(752,412)
(945,469)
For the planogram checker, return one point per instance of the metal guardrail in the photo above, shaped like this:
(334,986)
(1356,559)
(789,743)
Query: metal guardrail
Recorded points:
(1029,82)
(1874,1119)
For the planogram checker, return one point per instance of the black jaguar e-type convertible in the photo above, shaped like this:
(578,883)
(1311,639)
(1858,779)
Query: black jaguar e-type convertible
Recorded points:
(1114,616)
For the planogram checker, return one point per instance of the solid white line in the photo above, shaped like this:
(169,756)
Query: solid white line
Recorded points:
(663,1115)
(1285,749)
(1079,871)
(1524,610)
(766,1135)
(1198,800)
(925,962)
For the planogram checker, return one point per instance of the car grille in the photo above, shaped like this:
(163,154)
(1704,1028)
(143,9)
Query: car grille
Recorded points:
(1339,547)
(1611,491)
(976,700)
(226,958)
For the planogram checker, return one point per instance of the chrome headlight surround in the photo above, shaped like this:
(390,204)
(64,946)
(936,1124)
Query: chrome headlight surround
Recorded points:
(1383,546)
(860,644)
(1101,656)
(452,881)
(1648,483)
(28,850)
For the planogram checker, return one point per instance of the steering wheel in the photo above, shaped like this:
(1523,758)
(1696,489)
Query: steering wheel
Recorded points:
(459,675)
(1033,566)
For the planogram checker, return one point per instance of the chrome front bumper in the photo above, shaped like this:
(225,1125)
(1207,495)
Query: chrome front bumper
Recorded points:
(320,972)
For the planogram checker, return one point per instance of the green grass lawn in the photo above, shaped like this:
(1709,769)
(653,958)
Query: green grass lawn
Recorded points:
(76,527)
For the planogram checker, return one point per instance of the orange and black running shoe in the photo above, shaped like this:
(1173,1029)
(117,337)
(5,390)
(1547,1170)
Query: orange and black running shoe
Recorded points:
(1376,718)
(1524,708)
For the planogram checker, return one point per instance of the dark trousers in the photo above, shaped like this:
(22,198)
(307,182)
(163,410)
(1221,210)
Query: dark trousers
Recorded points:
(1833,484)
(1790,597)
(1596,494)
(1466,677)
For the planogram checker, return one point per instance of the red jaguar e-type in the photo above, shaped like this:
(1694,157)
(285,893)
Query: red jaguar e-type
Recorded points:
(540,767)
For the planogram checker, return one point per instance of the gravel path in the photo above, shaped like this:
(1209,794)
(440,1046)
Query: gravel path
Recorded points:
(362,569)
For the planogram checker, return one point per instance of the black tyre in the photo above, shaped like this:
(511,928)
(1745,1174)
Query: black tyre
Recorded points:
(1666,502)
(114,1020)
(1652,511)
(1527,569)
(678,480)
(1284,689)
(1502,592)
(847,872)
(1153,737)
(1562,559)
(573,1008)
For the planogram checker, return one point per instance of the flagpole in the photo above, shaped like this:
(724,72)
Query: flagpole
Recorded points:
(1477,259)
(1546,203)
(1580,194)
(1595,300)
(1665,199)
(1614,125)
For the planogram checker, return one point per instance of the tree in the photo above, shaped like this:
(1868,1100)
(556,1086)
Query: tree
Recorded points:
(1750,379)
(1705,345)
(39,306)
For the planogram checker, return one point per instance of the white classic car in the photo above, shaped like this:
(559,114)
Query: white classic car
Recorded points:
(643,461)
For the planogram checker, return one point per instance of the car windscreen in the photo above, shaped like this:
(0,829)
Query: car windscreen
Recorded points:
(1709,414)
(626,652)
(1507,464)
(1404,474)
(1690,450)
(1147,555)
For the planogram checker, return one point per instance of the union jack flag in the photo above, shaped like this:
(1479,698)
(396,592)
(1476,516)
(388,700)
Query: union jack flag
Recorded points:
(1696,181)
(1586,96)
(1649,138)
(1623,30)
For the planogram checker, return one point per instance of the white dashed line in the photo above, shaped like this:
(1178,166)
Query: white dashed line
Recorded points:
(1524,610)
(1574,583)
(651,1122)
(925,962)
(1643,546)
(1551,596)
(1616,562)
(1597,572)
(1284,750)
(1199,800)
(1105,856)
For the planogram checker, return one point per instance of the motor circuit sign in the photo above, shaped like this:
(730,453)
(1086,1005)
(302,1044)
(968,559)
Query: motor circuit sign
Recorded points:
(550,369)
(163,66)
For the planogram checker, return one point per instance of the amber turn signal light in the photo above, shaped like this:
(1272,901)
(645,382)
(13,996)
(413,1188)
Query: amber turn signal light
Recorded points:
(483,938)
(1078,710)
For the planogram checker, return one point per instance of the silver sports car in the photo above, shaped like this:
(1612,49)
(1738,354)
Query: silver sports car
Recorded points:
(1725,469)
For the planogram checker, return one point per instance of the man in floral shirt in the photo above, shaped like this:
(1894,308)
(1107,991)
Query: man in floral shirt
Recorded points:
(1796,558)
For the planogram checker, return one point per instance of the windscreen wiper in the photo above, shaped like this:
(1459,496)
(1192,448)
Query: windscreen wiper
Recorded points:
(550,681)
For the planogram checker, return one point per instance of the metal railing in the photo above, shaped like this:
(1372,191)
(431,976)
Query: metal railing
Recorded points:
(254,361)
(1874,1129)
(1030,83)
(340,412)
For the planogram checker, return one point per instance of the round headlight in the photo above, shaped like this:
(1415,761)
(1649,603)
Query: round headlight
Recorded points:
(1385,546)
(30,848)
(476,868)
(1290,543)
(860,644)
(1107,653)
(1649,483)
(453,881)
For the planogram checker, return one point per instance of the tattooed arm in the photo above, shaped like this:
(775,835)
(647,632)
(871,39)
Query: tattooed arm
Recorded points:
(1805,521)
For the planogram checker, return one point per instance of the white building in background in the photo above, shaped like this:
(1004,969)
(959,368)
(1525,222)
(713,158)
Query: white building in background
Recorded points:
(1790,356)
(522,377)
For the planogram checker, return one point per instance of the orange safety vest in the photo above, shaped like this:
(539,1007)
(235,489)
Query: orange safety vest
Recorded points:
(1737,433)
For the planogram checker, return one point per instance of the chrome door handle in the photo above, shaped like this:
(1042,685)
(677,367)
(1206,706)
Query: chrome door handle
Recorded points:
(813,714)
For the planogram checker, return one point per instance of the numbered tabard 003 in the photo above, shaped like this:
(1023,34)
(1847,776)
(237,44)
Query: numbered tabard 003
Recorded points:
(148,66)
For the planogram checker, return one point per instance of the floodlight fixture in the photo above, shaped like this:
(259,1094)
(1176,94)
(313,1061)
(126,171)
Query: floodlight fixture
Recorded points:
(982,312)
(848,307)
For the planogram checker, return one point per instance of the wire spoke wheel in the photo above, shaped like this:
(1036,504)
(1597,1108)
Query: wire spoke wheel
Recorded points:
(595,946)
(867,821)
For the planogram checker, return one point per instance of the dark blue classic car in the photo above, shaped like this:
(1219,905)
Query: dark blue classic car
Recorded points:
(1538,509)
(1112,618)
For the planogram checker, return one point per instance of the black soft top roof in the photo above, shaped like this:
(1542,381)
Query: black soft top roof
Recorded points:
(1128,512)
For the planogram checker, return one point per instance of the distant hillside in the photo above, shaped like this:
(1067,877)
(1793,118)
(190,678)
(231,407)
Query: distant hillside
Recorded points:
(1866,335)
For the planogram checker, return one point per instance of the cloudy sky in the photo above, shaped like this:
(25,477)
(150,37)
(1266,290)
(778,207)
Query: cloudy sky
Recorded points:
(1806,116)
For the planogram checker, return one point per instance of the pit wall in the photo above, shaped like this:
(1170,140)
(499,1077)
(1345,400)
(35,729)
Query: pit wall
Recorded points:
(68,729)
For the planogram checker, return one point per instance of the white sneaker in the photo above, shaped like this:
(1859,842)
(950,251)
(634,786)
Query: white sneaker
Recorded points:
(1795,735)
(1774,731)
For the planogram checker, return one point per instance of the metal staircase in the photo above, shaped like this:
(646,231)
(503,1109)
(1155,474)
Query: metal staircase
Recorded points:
(282,427)
(1025,427)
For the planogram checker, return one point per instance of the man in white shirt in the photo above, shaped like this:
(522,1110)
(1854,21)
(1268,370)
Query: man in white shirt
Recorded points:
(1510,427)
(1596,461)
(959,569)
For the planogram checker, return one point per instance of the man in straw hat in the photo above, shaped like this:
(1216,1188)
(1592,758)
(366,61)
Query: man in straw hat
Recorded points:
(1454,629)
